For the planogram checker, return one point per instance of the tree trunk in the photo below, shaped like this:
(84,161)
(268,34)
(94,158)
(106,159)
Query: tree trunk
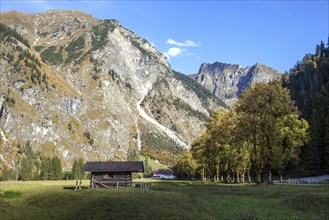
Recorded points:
(281,180)
(217,173)
(270,180)
(242,177)
(202,175)
(248,174)
(237,179)
(259,178)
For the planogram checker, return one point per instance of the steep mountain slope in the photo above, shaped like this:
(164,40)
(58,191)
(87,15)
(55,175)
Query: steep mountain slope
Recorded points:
(75,86)
(309,85)
(227,81)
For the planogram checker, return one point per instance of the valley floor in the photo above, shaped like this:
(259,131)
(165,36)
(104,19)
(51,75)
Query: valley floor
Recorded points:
(165,200)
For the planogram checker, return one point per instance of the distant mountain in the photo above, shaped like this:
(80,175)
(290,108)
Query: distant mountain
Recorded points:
(74,86)
(227,81)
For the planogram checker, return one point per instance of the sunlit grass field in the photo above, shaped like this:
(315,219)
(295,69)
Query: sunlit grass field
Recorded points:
(165,200)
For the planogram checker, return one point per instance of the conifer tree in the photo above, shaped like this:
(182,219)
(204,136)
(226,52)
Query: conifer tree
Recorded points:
(77,169)
(45,169)
(56,168)
(26,169)
(309,88)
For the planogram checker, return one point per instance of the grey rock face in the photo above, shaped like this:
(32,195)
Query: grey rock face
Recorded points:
(227,81)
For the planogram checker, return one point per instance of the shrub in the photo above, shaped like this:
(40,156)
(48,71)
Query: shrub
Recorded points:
(142,50)
(53,55)
(38,48)
(10,101)
(75,45)
(73,56)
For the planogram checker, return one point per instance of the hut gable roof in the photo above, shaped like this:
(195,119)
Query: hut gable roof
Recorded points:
(117,166)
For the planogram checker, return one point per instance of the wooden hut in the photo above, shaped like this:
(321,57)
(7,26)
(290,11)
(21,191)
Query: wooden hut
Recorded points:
(113,173)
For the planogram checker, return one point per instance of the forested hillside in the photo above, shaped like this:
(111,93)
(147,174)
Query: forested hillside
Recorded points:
(309,85)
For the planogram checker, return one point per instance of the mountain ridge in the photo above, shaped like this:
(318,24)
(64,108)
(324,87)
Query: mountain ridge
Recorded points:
(90,88)
(227,81)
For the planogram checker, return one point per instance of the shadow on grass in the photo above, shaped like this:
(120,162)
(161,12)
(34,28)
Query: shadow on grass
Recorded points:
(74,188)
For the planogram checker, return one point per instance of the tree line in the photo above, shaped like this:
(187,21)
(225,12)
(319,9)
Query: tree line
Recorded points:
(308,82)
(31,165)
(6,31)
(263,133)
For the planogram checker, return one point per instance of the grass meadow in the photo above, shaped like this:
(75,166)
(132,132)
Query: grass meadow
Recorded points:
(165,200)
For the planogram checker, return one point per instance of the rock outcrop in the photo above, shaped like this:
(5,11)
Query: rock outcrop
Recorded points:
(227,81)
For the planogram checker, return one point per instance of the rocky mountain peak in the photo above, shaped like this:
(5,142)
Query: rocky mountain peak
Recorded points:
(227,81)
(61,18)
(218,67)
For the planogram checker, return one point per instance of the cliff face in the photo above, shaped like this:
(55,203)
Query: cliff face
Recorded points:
(227,81)
(76,87)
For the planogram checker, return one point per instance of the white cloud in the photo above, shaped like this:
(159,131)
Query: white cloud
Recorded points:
(187,43)
(179,48)
(174,52)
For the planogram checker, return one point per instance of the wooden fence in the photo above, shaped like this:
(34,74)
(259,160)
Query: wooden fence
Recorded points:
(95,184)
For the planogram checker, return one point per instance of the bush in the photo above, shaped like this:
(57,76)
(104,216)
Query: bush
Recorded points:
(10,101)
(142,50)
(73,56)
(8,174)
(75,45)
(53,55)
(67,175)
(38,48)
(100,33)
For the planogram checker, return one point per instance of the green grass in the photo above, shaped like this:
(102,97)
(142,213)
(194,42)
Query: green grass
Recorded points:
(166,200)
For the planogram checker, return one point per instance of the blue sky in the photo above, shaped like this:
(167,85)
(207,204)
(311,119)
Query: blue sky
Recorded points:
(275,33)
